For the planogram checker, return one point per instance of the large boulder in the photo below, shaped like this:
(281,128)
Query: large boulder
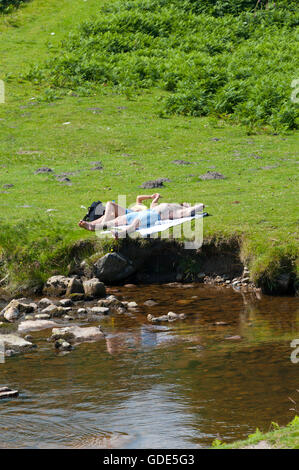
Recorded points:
(16,343)
(56,285)
(93,288)
(76,334)
(113,267)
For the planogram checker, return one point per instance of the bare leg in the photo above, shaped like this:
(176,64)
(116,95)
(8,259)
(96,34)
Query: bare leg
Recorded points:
(112,211)
(122,233)
(187,211)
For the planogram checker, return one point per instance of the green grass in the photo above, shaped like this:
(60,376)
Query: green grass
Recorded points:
(279,438)
(135,144)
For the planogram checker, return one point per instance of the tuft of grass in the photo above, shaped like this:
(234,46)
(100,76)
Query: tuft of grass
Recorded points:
(278,438)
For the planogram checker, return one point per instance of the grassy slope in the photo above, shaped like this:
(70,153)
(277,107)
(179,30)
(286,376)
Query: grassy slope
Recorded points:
(134,145)
(279,438)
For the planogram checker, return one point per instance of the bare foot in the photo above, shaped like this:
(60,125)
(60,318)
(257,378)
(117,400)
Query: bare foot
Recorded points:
(86,225)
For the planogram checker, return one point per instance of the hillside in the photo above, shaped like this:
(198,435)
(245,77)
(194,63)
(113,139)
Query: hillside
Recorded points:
(120,85)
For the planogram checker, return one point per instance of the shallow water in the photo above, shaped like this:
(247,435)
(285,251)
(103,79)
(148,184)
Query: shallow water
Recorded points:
(172,385)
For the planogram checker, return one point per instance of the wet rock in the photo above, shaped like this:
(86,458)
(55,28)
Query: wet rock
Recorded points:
(158,183)
(51,310)
(6,392)
(150,303)
(77,334)
(41,316)
(132,305)
(212,175)
(57,286)
(100,310)
(234,338)
(157,319)
(75,286)
(66,302)
(172,316)
(35,325)
(113,267)
(221,323)
(45,302)
(77,297)
(93,288)
(15,342)
(43,169)
(28,338)
(63,345)
(82,311)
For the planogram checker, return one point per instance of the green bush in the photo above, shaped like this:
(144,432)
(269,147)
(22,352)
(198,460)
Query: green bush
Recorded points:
(234,58)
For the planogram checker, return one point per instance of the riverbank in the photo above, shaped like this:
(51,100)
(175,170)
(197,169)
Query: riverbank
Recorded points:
(99,146)
(278,438)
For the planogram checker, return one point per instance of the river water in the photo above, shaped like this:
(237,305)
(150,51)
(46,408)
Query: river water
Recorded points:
(173,385)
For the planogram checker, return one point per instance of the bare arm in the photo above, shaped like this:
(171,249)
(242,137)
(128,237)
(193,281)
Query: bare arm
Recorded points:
(155,198)
(139,199)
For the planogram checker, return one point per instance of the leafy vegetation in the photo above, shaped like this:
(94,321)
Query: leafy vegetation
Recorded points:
(7,6)
(207,59)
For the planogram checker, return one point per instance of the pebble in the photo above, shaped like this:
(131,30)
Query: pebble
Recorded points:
(132,305)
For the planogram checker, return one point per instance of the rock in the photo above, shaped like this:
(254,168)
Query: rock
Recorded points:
(45,302)
(113,304)
(234,338)
(67,318)
(43,169)
(56,285)
(182,316)
(150,303)
(81,311)
(16,342)
(77,334)
(157,319)
(245,280)
(35,325)
(40,316)
(100,310)
(6,392)
(113,267)
(14,310)
(158,183)
(63,345)
(132,305)
(76,297)
(28,338)
(66,302)
(93,288)
(221,323)
(12,314)
(212,175)
(50,310)
(181,162)
(172,316)
(75,286)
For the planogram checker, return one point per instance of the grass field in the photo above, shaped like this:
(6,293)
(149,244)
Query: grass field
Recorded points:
(257,201)
(278,438)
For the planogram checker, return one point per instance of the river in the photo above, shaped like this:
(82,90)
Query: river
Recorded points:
(172,385)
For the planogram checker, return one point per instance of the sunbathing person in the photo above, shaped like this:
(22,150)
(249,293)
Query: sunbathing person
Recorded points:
(144,219)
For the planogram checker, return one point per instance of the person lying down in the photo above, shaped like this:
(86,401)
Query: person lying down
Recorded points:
(139,218)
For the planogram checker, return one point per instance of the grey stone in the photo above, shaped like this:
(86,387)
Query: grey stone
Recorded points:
(113,267)
(56,285)
(16,342)
(77,334)
(75,286)
(212,175)
(66,302)
(100,310)
(132,305)
(93,288)
(35,325)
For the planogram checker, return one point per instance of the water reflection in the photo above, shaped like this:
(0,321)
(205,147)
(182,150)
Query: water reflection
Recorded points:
(179,384)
